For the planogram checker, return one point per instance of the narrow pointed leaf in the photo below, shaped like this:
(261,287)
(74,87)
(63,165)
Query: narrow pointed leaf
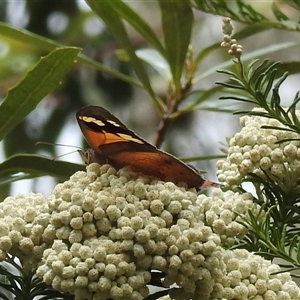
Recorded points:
(34,166)
(138,24)
(177,22)
(249,56)
(42,43)
(39,82)
(106,11)
(156,61)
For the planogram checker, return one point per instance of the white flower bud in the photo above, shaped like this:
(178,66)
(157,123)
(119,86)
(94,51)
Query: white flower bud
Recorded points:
(265,163)
(81,269)
(5,243)
(85,252)
(104,284)
(156,207)
(158,262)
(261,286)
(246,166)
(278,170)
(68,272)
(81,282)
(136,223)
(76,223)
(182,243)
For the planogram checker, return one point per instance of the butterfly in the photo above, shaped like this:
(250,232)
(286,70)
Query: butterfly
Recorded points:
(113,143)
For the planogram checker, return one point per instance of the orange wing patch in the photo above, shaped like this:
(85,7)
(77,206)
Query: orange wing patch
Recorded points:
(94,138)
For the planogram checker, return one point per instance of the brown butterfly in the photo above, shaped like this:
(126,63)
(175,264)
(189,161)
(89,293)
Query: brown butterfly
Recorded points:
(113,143)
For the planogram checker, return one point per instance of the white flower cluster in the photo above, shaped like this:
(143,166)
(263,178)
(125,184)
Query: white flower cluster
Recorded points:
(23,220)
(111,231)
(224,211)
(249,276)
(101,234)
(254,150)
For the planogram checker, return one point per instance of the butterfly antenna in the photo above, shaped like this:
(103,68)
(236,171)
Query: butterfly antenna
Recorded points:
(62,155)
(56,144)
(61,145)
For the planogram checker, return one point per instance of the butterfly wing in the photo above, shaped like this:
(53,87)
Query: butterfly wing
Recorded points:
(148,160)
(112,142)
(100,127)
(107,136)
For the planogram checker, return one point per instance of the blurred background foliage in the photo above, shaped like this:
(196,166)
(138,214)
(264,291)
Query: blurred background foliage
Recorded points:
(158,78)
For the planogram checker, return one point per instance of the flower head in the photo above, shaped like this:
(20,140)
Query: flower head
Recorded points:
(103,233)
(111,230)
(224,211)
(22,223)
(250,276)
(258,150)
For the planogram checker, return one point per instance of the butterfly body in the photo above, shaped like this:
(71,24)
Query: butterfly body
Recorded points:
(113,143)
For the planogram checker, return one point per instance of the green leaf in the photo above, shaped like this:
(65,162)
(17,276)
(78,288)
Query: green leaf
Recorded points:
(268,84)
(248,31)
(138,24)
(280,16)
(216,7)
(249,56)
(249,13)
(239,99)
(252,72)
(30,166)
(42,43)
(177,22)
(110,16)
(243,12)
(156,61)
(40,81)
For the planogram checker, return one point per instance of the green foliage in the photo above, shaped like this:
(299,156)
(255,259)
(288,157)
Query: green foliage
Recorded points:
(38,83)
(114,14)
(168,51)
(44,44)
(245,12)
(275,235)
(26,286)
(259,84)
(25,166)
(176,16)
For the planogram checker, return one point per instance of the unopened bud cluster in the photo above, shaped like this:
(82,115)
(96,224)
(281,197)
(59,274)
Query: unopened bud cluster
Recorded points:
(102,233)
(23,220)
(228,42)
(261,150)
